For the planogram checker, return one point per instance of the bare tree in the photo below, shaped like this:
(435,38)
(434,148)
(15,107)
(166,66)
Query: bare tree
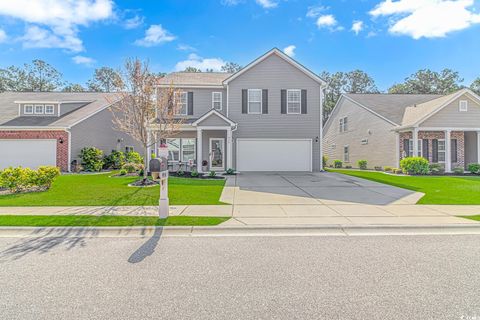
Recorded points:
(143,107)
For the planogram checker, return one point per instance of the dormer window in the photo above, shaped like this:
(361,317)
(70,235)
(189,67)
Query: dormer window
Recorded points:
(463,106)
(39,109)
(28,109)
(49,109)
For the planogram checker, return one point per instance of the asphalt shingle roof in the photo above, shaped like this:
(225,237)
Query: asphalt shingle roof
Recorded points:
(194,78)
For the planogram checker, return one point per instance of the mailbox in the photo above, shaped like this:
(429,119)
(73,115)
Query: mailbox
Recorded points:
(159,169)
(158,165)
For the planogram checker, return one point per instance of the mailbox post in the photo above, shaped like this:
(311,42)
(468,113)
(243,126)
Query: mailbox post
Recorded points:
(159,169)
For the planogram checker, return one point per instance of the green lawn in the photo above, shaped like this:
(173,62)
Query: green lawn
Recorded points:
(437,189)
(106,221)
(104,190)
(476,218)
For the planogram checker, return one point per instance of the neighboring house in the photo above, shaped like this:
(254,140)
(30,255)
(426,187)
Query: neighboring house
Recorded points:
(384,128)
(50,128)
(265,117)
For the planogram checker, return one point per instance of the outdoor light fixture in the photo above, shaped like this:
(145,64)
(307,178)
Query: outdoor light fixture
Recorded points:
(60,140)
(316,139)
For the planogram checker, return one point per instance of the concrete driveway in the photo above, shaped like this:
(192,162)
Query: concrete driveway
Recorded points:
(311,188)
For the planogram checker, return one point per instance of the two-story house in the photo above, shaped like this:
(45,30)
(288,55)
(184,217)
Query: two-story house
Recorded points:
(265,117)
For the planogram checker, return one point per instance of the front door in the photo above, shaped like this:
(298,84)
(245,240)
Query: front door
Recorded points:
(217,154)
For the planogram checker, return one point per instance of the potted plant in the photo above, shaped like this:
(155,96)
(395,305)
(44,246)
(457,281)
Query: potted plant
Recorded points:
(204,165)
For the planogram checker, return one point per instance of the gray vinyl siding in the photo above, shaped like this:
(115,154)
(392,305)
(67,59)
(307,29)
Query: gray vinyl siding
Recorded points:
(202,101)
(214,120)
(451,117)
(471,145)
(275,74)
(97,131)
(380,150)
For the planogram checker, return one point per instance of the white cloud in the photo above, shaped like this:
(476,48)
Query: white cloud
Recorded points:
(198,62)
(155,35)
(267,4)
(134,22)
(84,60)
(54,23)
(185,47)
(3,36)
(231,2)
(290,50)
(357,26)
(326,21)
(427,18)
(315,11)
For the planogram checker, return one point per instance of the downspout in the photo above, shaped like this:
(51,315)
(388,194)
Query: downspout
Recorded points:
(69,164)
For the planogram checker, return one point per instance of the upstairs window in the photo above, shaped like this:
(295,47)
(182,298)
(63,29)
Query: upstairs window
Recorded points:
(49,109)
(28,109)
(463,106)
(181,99)
(293,101)
(343,124)
(217,100)
(39,109)
(255,101)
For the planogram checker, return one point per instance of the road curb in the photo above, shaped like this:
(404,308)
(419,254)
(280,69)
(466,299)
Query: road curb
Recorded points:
(234,231)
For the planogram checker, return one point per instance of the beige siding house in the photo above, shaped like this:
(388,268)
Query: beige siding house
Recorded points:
(384,128)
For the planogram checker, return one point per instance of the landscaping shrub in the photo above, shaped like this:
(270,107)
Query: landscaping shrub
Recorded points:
(133,157)
(397,170)
(230,171)
(212,174)
(324,161)
(91,158)
(132,167)
(180,173)
(337,163)
(436,168)
(388,169)
(474,168)
(362,164)
(20,179)
(122,172)
(458,171)
(194,173)
(415,165)
(377,168)
(114,160)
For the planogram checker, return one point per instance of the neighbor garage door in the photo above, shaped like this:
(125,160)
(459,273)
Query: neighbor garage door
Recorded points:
(28,153)
(274,155)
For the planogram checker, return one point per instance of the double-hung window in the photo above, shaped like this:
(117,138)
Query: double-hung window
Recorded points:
(28,109)
(49,109)
(441,150)
(419,147)
(181,99)
(293,101)
(463,106)
(39,109)
(255,101)
(343,124)
(181,150)
(217,100)
(346,154)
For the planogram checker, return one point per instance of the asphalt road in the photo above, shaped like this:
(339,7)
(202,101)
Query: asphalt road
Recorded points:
(382,277)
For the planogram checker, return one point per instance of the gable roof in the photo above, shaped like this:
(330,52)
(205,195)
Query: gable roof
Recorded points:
(390,106)
(210,113)
(279,53)
(93,103)
(194,79)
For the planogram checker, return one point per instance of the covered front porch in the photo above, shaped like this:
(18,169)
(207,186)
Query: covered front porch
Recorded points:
(450,147)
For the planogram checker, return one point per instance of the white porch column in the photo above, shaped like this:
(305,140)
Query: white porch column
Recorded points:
(199,150)
(448,151)
(149,147)
(478,146)
(229,148)
(415,142)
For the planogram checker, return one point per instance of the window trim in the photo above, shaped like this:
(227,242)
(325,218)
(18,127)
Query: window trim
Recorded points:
(176,94)
(39,105)
(342,124)
(299,102)
(25,108)
(49,105)
(221,100)
(346,153)
(444,151)
(463,103)
(419,145)
(129,149)
(248,101)
(180,150)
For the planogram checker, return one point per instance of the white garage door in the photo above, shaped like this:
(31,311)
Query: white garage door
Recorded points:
(274,155)
(28,153)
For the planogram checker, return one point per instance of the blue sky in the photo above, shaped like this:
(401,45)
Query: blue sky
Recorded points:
(390,39)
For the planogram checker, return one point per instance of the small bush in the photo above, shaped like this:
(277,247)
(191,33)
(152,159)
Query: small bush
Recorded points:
(114,160)
(194,173)
(388,169)
(474,168)
(415,165)
(362,164)
(458,171)
(133,157)
(230,171)
(377,168)
(436,168)
(45,175)
(122,172)
(348,167)
(132,167)
(180,173)
(337,163)
(91,158)
(324,161)
(20,179)
(397,171)
(212,174)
